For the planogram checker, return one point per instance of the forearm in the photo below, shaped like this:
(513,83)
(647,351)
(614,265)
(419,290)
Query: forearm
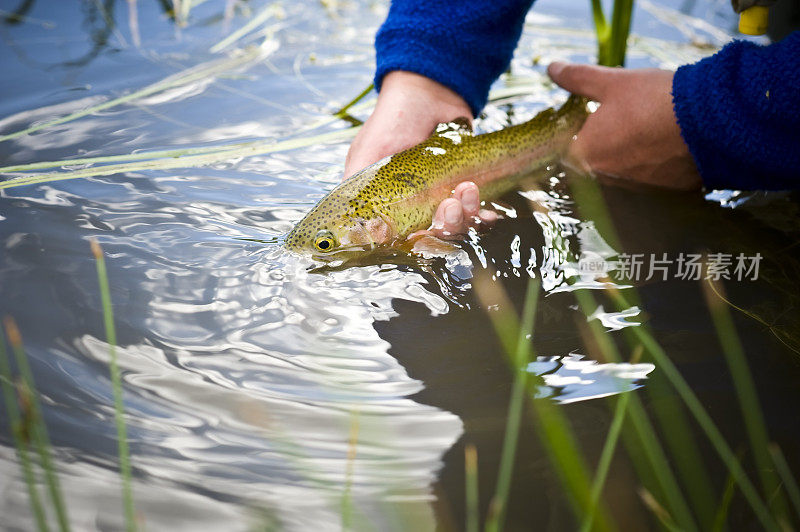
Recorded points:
(462,45)
(739,113)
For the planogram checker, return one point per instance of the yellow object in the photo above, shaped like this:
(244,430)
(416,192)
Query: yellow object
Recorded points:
(753,20)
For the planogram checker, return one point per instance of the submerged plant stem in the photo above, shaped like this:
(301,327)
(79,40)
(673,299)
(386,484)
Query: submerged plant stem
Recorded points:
(606,455)
(724,505)
(182,162)
(272,10)
(352,450)
(189,157)
(518,366)
(655,459)
(787,476)
(748,399)
(471,480)
(704,420)
(552,427)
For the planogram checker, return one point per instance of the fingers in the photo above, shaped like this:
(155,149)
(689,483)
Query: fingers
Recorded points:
(469,196)
(587,80)
(457,214)
(488,217)
(449,219)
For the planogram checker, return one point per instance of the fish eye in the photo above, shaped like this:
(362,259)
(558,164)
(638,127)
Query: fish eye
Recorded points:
(324,241)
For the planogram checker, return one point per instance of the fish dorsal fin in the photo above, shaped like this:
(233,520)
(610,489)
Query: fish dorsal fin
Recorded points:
(461,125)
(454,130)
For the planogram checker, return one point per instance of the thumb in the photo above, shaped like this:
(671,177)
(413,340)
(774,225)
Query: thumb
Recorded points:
(586,80)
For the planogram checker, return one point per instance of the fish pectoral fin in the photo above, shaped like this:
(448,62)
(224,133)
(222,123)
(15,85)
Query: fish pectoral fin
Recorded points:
(429,246)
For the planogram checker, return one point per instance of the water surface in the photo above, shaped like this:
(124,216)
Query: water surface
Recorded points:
(259,392)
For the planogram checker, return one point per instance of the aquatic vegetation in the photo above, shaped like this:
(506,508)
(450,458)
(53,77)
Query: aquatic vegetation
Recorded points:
(663,493)
(31,426)
(261,394)
(188,76)
(27,423)
(198,156)
(28,429)
(612,38)
(515,336)
(589,201)
(116,384)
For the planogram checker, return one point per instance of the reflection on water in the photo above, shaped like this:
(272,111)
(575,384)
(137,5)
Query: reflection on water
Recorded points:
(615,321)
(569,379)
(257,388)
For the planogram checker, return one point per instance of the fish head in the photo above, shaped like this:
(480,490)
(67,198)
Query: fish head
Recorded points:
(328,237)
(343,223)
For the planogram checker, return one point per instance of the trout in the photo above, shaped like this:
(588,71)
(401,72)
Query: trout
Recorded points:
(387,201)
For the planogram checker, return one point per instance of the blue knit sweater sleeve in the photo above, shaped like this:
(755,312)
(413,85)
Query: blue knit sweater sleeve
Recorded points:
(464,44)
(739,113)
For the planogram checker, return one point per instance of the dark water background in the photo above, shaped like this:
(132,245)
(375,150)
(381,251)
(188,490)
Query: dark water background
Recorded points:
(245,374)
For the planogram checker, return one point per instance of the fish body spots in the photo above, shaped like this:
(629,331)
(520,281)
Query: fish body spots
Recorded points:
(399,194)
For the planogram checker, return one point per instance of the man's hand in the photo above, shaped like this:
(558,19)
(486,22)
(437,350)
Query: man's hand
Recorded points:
(409,107)
(634,135)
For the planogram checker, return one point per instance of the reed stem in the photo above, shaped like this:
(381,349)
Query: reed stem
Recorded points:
(116,384)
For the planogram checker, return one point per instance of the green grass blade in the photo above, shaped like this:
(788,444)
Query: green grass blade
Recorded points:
(612,39)
(341,113)
(670,416)
(599,18)
(569,462)
(352,450)
(260,148)
(787,476)
(552,426)
(703,419)
(15,422)
(657,459)
(676,430)
(497,509)
(620,29)
(724,505)
(471,480)
(272,10)
(604,464)
(748,399)
(116,384)
(38,428)
(189,75)
(645,432)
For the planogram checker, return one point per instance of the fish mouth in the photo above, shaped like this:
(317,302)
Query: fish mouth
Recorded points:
(377,256)
(342,252)
(360,254)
